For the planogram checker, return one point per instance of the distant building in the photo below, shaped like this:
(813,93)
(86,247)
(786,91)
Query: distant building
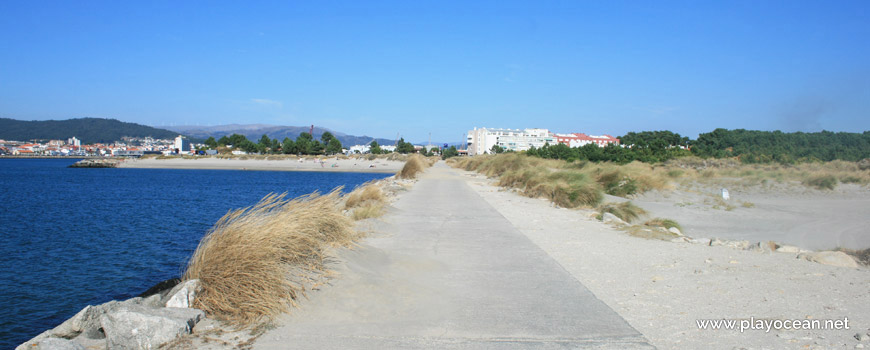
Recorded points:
(182,145)
(359,149)
(480,141)
(73,141)
(580,140)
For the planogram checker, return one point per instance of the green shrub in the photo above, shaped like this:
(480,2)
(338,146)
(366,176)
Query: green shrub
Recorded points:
(822,182)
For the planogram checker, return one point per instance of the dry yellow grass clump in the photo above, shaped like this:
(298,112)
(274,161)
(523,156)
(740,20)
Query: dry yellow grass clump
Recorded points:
(256,261)
(367,201)
(413,166)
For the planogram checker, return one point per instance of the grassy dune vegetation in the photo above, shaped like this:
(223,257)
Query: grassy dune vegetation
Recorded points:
(367,201)
(574,184)
(571,185)
(256,261)
(819,175)
(414,165)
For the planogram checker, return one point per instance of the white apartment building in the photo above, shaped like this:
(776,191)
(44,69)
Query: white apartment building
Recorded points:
(481,140)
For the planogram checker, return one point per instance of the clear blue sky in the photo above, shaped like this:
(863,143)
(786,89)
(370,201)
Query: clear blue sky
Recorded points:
(414,67)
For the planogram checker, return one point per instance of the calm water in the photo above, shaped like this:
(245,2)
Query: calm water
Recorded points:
(73,237)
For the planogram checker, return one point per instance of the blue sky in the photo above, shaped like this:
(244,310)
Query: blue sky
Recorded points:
(417,67)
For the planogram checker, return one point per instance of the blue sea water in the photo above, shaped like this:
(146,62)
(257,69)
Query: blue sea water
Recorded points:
(73,237)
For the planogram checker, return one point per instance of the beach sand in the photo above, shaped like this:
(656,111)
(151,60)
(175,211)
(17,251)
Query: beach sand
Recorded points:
(663,288)
(787,213)
(291,164)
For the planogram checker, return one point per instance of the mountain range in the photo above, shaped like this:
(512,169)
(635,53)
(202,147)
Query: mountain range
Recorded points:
(255,131)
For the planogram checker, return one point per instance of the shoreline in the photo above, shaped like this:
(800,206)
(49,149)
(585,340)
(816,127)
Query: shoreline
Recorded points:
(360,165)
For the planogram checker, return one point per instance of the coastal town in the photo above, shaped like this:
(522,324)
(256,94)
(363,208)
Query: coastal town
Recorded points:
(479,141)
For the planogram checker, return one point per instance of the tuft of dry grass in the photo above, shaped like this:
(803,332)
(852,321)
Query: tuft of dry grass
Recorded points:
(662,222)
(413,166)
(367,192)
(255,262)
(367,201)
(626,211)
(368,210)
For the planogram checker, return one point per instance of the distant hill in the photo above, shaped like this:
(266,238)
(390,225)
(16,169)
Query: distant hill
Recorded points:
(255,131)
(89,130)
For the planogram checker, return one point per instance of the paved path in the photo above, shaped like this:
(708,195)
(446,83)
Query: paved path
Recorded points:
(447,271)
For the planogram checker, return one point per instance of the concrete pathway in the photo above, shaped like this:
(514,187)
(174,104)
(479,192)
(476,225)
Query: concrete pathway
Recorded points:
(446,271)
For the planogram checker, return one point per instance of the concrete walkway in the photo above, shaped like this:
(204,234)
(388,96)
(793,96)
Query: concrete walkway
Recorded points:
(446,271)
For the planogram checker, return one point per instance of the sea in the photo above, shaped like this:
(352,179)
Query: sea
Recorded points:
(76,237)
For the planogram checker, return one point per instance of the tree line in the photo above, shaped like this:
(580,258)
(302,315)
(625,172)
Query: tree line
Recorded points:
(307,145)
(304,144)
(749,146)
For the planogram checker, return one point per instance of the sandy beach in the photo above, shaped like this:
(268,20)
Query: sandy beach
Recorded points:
(787,213)
(663,288)
(291,164)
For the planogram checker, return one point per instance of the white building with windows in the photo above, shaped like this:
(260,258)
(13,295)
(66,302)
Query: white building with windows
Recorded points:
(481,140)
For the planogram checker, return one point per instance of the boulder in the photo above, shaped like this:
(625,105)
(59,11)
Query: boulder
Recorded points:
(675,231)
(183,294)
(59,344)
(830,258)
(140,327)
(609,218)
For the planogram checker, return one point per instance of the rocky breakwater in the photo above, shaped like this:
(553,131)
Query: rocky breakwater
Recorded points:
(96,163)
(145,322)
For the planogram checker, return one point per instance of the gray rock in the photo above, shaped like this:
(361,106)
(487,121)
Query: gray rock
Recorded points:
(761,247)
(830,258)
(153,301)
(183,294)
(59,344)
(675,231)
(742,245)
(140,327)
(609,218)
(703,241)
(788,249)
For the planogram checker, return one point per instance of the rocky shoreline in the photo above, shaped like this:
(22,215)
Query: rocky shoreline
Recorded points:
(144,322)
(825,257)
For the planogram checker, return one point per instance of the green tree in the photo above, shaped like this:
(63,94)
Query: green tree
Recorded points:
(224,140)
(288,147)
(210,142)
(497,149)
(326,137)
(333,146)
(237,140)
(303,143)
(374,148)
(248,146)
(404,147)
(275,147)
(449,152)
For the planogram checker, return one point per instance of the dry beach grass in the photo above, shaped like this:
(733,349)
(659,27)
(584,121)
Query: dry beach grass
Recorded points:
(256,261)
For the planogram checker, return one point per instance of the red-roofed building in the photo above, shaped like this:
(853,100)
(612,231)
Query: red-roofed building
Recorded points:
(580,140)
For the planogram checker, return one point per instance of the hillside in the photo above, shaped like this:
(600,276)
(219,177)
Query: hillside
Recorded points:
(255,131)
(89,130)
